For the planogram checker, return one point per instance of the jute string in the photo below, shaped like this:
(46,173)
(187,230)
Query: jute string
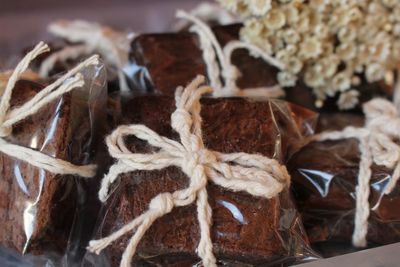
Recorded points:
(9,117)
(219,64)
(378,143)
(255,174)
(112,45)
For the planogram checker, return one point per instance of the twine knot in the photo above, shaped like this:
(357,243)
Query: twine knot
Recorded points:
(378,144)
(162,203)
(206,156)
(9,117)
(254,174)
(180,118)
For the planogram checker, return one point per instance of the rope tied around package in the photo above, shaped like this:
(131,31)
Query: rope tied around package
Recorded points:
(378,143)
(90,37)
(255,174)
(9,117)
(219,64)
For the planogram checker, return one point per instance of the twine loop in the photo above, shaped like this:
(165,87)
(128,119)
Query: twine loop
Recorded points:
(219,64)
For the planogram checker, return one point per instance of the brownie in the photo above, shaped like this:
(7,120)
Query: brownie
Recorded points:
(37,208)
(324,177)
(169,60)
(245,229)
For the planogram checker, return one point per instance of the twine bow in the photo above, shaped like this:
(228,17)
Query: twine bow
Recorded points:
(255,174)
(377,144)
(212,51)
(9,117)
(113,46)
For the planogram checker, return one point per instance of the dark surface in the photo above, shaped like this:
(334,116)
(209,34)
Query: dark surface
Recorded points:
(229,125)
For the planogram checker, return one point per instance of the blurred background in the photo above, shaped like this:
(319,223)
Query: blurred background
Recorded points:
(23,23)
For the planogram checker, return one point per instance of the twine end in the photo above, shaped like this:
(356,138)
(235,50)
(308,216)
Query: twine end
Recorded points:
(96,246)
(359,243)
(93,60)
(42,47)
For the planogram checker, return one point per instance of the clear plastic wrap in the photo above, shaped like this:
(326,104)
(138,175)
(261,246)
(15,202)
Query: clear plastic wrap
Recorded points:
(324,177)
(246,230)
(75,40)
(38,208)
(160,62)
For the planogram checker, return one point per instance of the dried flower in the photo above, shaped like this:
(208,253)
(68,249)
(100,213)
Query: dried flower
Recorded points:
(287,79)
(346,51)
(275,19)
(374,72)
(291,13)
(348,100)
(259,7)
(252,27)
(313,38)
(310,48)
(291,36)
(321,31)
(341,81)
(313,76)
(347,34)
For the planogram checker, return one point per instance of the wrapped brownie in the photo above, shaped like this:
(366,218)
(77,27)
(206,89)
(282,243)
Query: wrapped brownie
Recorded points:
(250,217)
(47,134)
(161,62)
(345,182)
(77,39)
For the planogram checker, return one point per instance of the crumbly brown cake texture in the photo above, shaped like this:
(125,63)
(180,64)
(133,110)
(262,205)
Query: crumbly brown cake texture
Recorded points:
(37,208)
(324,176)
(245,229)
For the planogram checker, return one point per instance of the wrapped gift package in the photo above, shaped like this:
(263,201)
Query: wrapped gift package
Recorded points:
(173,59)
(39,208)
(324,179)
(246,229)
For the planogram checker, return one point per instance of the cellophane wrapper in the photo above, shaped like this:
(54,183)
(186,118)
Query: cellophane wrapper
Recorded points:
(243,225)
(40,212)
(324,179)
